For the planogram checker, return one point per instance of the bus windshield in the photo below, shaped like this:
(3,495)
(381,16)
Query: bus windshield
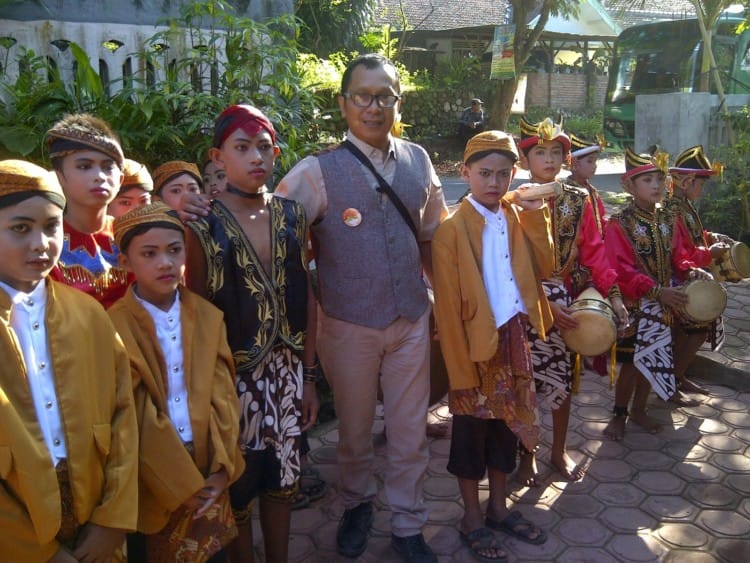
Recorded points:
(666,57)
(653,63)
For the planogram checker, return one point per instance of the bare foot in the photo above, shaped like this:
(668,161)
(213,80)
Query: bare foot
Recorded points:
(527,472)
(615,430)
(681,400)
(649,424)
(691,387)
(568,468)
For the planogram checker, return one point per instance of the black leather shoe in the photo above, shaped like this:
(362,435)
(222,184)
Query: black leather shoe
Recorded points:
(413,549)
(355,523)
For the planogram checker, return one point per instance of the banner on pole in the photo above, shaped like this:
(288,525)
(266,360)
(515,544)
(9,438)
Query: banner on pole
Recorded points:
(503,60)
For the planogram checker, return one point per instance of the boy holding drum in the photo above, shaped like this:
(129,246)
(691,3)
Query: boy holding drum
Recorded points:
(648,253)
(689,175)
(580,262)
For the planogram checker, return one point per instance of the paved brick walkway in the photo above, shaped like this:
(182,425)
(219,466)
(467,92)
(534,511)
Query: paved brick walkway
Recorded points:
(681,495)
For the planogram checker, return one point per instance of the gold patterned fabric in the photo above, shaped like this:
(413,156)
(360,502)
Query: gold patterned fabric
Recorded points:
(536,133)
(81,132)
(683,207)
(567,215)
(650,235)
(156,214)
(259,307)
(20,179)
(186,539)
(491,141)
(136,176)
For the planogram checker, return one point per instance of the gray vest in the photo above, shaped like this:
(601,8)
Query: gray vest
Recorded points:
(371,274)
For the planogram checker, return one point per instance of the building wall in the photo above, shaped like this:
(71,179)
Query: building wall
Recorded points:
(567,91)
(134,12)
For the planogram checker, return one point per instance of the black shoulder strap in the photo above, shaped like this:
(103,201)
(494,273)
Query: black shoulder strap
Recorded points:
(384,187)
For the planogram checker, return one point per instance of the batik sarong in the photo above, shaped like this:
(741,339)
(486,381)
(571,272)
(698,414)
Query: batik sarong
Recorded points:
(653,355)
(506,389)
(551,358)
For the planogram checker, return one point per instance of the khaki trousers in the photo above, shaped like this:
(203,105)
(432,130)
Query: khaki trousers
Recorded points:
(354,359)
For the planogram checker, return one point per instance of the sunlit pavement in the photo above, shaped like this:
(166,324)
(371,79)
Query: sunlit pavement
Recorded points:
(682,495)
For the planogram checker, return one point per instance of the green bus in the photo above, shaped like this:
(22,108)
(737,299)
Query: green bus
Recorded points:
(662,57)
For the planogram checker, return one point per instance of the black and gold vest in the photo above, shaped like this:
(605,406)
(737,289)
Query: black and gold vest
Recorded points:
(259,308)
(650,236)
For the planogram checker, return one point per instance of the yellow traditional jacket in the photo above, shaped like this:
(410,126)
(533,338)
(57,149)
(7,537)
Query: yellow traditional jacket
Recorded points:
(168,475)
(92,383)
(466,325)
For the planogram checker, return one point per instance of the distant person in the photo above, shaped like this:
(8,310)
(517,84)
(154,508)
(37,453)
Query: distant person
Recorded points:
(135,190)
(214,179)
(584,155)
(175,178)
(472,120)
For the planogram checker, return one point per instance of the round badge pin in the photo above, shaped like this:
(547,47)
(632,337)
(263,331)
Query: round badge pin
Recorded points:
(352,217)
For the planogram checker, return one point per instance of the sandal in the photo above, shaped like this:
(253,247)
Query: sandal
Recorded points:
(514,524)
(301,500)
(481,541)
(312,485)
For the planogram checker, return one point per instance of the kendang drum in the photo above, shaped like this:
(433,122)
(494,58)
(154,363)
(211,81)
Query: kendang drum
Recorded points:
(734,265)
(706,301)
(597,324)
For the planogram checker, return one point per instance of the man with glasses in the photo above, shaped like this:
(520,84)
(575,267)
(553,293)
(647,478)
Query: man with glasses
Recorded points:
(374,308)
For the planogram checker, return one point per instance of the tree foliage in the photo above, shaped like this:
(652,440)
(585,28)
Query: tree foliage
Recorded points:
(332,25)
(524,41)
(226,59)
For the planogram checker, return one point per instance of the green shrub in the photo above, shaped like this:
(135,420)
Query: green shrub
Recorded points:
(725,204)
(247,62)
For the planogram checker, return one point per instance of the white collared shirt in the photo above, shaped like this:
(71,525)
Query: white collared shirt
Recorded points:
(497,273)
(169,333)
(27,320)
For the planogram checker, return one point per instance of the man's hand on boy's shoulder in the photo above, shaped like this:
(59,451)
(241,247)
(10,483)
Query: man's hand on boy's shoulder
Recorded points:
(97,544)
(193,206)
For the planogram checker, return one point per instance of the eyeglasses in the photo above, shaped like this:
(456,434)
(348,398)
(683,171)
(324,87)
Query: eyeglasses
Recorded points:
(364,100)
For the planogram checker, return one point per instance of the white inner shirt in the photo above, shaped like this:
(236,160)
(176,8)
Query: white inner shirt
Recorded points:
(169,334)
(499,282)
(27,321)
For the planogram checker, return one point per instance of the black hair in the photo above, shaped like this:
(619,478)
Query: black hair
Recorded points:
(369,61)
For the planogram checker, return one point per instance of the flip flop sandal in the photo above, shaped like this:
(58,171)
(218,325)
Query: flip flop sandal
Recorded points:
(482,540)
(515,525)
(313,488)
(300,501)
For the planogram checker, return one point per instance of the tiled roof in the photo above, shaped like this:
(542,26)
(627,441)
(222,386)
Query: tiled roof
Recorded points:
(439,15)
(623,12)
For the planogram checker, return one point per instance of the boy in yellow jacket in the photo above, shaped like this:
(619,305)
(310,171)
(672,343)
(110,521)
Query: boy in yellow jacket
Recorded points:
(68,433)
(183,384)
(488,260)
